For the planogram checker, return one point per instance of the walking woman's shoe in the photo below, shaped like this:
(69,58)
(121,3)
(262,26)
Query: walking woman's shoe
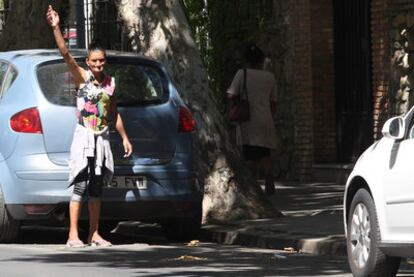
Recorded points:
(269,186)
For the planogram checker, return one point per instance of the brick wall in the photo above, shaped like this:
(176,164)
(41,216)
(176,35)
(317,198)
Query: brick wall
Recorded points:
(304,123)
(380,63)
(323,81)
(401,34)
(315,125)
(312,24)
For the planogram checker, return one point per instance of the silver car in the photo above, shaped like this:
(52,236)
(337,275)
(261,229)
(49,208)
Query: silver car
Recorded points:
(37,121)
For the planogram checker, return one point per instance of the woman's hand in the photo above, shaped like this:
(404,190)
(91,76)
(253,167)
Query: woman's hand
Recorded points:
(127,148)
(52,17)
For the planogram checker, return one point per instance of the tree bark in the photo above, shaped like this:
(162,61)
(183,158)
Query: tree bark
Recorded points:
(26,25)
(160,29)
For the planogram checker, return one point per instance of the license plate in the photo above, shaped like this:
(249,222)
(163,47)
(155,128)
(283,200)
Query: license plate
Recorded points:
(130,182)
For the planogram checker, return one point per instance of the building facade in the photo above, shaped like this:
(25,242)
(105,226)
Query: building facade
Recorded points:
(353,71)
(343,67)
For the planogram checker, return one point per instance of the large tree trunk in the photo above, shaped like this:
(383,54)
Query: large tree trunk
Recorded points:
(26,25)
(160,29)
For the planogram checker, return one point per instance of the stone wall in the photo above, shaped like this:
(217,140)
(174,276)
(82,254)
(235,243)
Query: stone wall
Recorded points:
(264,22)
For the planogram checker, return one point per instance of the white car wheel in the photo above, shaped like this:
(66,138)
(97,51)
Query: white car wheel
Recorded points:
(363,237)
(360,236)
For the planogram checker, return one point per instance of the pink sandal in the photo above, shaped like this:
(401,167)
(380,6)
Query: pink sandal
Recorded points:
(100,243)
(75,243)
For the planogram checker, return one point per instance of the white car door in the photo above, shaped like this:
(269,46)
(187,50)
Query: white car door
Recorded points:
(399,188)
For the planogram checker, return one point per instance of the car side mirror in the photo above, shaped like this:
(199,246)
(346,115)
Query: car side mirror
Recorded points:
(394,128)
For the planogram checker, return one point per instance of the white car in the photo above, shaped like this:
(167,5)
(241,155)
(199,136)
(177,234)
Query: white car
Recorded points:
(379,202)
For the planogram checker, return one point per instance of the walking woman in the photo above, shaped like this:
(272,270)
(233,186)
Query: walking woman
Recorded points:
(257,135)
(91,162)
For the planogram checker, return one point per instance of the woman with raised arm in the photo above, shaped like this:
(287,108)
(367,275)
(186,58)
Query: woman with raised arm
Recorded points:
(91,162)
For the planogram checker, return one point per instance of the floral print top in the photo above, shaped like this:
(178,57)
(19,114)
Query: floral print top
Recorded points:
(93,102)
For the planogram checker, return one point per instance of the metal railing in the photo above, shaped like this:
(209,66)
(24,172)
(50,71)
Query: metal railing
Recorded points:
(3,16)
(91,20)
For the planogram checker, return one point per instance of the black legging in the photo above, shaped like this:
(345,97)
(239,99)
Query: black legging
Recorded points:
(87,183)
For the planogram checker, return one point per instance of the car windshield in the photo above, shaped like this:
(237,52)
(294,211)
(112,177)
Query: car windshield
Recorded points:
(136,84)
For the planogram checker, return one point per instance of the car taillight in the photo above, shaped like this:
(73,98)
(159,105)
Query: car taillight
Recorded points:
(186,121)
(27,121)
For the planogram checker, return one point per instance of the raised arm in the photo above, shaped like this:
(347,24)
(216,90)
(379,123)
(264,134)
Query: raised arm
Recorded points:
(78,73)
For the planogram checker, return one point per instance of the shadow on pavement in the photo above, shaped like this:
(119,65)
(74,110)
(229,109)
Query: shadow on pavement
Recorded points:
(297,197)
(126,233)
(204,260)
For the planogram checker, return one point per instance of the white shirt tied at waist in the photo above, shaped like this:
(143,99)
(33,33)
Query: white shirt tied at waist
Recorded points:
(84,146)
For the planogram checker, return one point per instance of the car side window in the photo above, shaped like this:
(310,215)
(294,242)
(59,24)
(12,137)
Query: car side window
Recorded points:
(11,75)
(3,70)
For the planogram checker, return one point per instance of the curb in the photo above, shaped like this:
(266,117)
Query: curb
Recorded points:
(303,243)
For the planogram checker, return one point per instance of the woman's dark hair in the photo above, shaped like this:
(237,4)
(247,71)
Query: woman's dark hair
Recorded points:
(254,55)
(95,46)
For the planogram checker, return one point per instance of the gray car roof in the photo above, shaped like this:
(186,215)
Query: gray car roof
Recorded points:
(43,55)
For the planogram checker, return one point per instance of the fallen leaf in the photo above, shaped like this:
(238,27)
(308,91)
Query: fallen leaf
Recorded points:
(194,243)
(189,258)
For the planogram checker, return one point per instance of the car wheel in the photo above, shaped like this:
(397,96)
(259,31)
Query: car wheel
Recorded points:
(182,229)
(9,227)
(363,237)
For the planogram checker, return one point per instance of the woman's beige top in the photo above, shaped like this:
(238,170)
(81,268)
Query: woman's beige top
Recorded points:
(261,89)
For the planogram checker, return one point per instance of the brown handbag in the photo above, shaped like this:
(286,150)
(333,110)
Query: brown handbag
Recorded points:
(239,110)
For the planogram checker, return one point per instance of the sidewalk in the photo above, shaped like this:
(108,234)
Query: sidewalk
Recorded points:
(312,223)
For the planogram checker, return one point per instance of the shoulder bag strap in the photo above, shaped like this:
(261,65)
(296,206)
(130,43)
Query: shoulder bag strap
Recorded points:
(244,83)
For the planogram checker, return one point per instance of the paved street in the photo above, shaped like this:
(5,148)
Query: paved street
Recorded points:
(167,260)
(40,252)
(48,258)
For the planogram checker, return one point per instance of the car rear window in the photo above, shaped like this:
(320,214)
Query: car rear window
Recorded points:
(136,84)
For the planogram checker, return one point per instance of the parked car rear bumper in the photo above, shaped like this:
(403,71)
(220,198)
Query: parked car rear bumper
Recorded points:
(154,209)
(35,179)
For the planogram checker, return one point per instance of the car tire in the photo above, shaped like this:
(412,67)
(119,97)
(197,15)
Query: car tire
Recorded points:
(363,236)
(182,229)
(9,227)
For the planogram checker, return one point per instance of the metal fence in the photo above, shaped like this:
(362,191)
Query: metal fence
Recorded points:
(3,15)
(94,20)
(4,8)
